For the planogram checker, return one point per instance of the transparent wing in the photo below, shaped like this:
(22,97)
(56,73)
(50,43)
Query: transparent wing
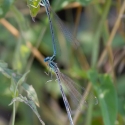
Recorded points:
(68,35)
(76,91)
(56,46)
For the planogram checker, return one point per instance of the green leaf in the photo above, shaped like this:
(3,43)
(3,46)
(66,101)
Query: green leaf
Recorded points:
(107,97)
(31,93)
(30,103)
(121,94)
(3,64)
(5,6)
(7,72)
(13,88)
(34,7)
(11,73)
(22,79)
(4,90)
(15,83)
(17,80)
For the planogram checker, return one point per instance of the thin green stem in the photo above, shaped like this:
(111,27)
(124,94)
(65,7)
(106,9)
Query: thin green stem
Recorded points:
(14,107)
(14,112)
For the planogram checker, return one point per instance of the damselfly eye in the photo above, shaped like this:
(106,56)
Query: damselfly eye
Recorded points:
(46,59)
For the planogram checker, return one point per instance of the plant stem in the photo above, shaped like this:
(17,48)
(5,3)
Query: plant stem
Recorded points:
(114,30)
(77,114)
(13,117)
(14,107)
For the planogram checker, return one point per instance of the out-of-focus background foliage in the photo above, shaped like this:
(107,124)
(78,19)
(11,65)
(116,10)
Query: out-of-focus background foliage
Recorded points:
(98,64)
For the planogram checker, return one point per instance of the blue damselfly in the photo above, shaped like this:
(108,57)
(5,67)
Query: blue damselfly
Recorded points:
(68,35)
(70,84)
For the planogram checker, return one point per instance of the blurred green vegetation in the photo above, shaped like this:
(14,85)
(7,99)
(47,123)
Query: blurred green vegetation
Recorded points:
(99,27)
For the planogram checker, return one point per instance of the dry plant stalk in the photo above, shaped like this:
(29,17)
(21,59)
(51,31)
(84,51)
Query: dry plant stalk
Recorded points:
(114,30)
(16,33)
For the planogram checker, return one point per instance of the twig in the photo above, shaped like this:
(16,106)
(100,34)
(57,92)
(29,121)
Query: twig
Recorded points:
(77,114)
(78,15)
(36,53)
(8,26)
(109,42)
(111,57)
(120,57)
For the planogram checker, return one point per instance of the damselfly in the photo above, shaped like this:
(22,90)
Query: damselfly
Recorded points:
(61,78)
(69,37)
